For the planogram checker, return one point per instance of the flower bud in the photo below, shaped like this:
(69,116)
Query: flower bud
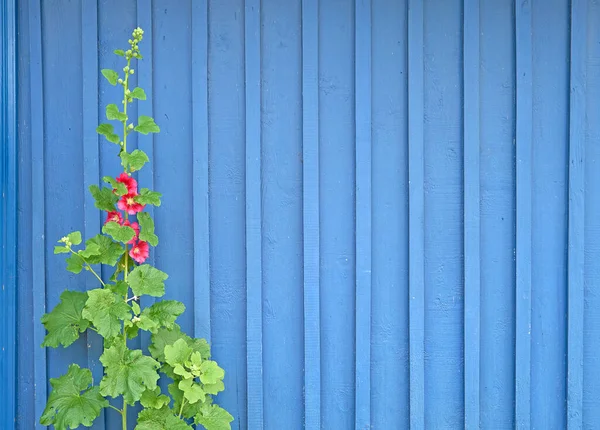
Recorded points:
(127,92)
(131,72)
(130,126)
(120,81)
(126,69)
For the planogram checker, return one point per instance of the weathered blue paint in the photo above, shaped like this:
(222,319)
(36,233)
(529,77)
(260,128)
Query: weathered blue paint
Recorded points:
(8,220)
(383,214)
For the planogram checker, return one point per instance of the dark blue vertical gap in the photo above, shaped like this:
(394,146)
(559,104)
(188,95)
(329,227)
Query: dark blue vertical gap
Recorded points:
(497,206)
(444,218)
(550,149)
(337,211)
(363,155)
(416,216)
(578,121)
(8,211)
(389,320)
(200,143)
(472,223)
(143,72)
(524,117)
(311,214)
(254,278)
(281,159)
(227,161)
(38,256)
(91,165)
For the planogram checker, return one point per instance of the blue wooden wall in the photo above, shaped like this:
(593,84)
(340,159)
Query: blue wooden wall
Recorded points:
(382,214)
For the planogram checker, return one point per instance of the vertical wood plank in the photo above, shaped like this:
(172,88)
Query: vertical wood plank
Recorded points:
(310,157)
(363,213)
(416,235)
(91,163)
(524,212)
(38,245)
(8,212)
(145,107)
(200,168)
(253,215)
(576,233)
(472,228)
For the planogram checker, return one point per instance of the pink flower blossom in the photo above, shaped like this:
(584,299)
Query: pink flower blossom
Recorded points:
(127,203)
(140,251)
(129,182)
(136,227)
(114,216)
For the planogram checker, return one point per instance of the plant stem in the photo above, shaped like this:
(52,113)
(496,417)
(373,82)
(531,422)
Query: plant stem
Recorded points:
(116,409)
(181,408)
(87,265)
(124,415)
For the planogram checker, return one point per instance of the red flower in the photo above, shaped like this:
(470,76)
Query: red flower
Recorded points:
(140,251)
(136,227)
(127,203)
(129,182)
(114,216)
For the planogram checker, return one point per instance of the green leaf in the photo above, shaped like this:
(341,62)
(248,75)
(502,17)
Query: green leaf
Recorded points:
(119,52)
(138,93)
(211,372)
(189,410)
(147,280)
(119,187)
(160,419)
(72,401)
(74,238)
(214,417)
(105,198)
(108,131)
(192,391)
(135,307)
(103,250)
(74,264)
(65,322)
(111,76)
(120,233)
(147,197)
(146,125)
(178,353)
(61,250)
(147,228)
(106,310)
(119,287)
(154,399)
(121,266)
(127,372)
(112,112)
(160,314)
(162,338)
(135,159)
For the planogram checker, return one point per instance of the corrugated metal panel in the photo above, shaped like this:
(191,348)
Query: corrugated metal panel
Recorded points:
(382,214)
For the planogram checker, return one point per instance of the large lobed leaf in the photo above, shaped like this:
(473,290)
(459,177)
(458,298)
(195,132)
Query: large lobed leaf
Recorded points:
(72,402)
(66,321)
(106,310)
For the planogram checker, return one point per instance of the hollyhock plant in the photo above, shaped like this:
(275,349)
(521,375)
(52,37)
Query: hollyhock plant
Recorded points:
(114,310)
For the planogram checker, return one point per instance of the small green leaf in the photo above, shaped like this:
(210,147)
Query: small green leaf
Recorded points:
(147,197)
(127,372)
(119,52)
(147,228)
(61,250)
(136,308)
(135,159)
(66,321)
(119,287)
(146,125)
(74,264)
(105,198)
(211,372)
(72,401)
(111,76)
(192,391)
(119,187)
(121,266)
(162,338)
(74,238)
(138,93)
(106,310)
(154,399)
(103,250)
(108,131)
(160,314)
(178,353)
(189,410)
(120,233)
(112,112)
(214,417)
(147,280)
(160,419)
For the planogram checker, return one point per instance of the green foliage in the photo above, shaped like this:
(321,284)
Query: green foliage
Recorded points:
(114,312)
(72,401)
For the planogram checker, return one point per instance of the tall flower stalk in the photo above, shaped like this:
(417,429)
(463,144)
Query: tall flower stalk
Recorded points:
(113,309)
